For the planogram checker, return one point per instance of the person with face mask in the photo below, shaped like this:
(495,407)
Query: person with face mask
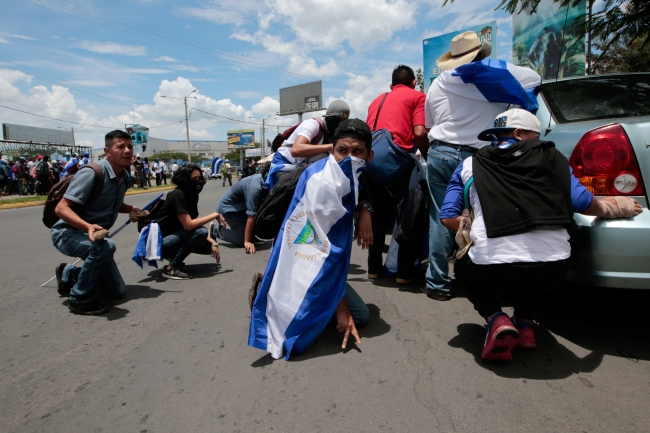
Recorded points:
(523,195)
(309,142)
(180,224)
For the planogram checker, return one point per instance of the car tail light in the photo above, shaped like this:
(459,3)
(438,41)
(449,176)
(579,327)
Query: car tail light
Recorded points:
(605,163)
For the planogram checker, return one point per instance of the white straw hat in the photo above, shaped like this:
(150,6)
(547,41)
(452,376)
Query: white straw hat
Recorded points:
(464,48)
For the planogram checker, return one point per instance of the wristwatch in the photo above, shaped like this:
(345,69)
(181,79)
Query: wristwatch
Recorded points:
(368,207)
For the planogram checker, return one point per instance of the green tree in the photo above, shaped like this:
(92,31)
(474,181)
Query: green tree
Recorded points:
(167,155)
(419,77)
(623,56)
(618,22)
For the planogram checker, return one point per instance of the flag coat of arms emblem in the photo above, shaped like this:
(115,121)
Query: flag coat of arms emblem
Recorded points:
(305,278)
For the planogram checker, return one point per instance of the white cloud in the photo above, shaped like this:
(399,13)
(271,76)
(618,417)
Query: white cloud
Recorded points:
(362,23)
(267,105)
(3,41)
(114,48)
(164,59)
(17,36)
(92,83)
(246,94)
(224,11)
(185,68)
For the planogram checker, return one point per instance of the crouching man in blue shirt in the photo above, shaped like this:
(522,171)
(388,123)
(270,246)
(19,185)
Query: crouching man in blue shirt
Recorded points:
(523,197)
(81,214)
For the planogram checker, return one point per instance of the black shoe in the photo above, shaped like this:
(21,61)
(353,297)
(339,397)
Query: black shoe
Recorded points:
(92,308)
(252,293)
(60,286)
(175,274)
(436,294)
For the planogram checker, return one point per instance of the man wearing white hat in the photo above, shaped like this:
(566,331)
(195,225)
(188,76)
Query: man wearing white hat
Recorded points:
(523,195)
(460,103)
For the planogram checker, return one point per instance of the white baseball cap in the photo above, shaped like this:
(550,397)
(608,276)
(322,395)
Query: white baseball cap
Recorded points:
(510,120)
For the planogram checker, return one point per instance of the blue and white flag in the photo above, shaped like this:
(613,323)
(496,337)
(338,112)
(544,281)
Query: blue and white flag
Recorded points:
(216,166)
(306,274)
(493,81)
(148,250)
(282,162)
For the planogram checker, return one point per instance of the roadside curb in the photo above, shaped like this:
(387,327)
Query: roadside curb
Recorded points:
(41,202)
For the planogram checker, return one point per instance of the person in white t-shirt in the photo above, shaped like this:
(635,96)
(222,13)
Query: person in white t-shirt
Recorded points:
(163,171)
(157,169)
(456,110)
(309,142)
(523,194)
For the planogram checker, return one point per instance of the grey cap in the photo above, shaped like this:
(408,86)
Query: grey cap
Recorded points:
(338,108)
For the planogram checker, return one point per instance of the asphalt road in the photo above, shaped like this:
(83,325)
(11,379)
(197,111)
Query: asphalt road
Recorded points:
(172,356)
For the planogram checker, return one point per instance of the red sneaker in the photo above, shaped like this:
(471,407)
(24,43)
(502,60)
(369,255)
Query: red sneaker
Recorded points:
(526,335)
(502,336)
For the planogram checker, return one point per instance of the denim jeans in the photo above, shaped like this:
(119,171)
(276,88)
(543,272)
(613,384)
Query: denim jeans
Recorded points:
(99,276)
(442,161)
(178,245)
(236,231)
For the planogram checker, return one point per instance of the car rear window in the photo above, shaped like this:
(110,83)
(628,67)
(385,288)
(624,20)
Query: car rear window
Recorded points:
(598,97)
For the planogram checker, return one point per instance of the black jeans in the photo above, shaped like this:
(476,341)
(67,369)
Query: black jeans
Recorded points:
(383,206)
(523,284)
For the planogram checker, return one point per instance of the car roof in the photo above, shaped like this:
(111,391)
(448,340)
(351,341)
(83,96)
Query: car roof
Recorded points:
(586,77)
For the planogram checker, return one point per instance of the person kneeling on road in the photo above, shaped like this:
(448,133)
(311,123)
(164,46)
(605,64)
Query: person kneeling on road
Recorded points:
(523,197)
(304,286)
(239,208)
(180,224)
(80,217)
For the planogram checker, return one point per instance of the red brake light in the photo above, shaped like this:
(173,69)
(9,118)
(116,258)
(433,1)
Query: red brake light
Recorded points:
(605,163)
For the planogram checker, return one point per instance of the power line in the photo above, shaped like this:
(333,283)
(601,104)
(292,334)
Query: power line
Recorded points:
(62,81)
(236,120)
(77,123)
(198,48)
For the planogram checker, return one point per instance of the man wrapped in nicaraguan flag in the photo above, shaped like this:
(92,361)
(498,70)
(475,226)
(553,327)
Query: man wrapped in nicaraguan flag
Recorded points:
(304,285)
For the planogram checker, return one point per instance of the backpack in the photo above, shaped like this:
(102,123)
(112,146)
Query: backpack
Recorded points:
(283,136)
(58,190)
(42,169)
(391,164)
(154,213)
(274,207)
(413,210)
(14,169)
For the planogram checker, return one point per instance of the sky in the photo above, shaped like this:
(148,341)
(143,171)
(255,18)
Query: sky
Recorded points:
(106,64)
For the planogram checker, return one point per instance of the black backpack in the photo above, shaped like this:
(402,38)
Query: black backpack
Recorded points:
(283,136)
(42,169)
(58,190)
(274,207)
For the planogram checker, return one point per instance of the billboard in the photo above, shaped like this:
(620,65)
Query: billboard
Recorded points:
(139,137)
(537,40)
(439,45)
(37,135)
(241,138)
(301,99)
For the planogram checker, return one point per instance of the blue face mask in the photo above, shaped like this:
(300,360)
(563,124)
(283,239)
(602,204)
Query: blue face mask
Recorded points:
(504,142)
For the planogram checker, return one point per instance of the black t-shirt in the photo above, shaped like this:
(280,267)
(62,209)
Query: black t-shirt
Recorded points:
(175,203)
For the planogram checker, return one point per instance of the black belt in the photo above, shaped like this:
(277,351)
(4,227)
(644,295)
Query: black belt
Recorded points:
(460,147)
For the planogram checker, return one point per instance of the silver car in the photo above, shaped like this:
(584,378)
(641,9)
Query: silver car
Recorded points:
(602,124)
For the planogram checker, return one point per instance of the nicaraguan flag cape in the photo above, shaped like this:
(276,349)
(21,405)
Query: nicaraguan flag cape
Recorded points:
(306,274)
(148,250)
(493,81)
(282,162)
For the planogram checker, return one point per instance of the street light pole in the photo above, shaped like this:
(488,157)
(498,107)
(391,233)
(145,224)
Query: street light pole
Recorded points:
(187,123)
(263,141)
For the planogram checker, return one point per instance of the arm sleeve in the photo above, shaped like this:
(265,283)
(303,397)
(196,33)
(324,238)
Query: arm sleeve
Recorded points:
(253,199)
(418,112)
(81,186)
(528,78)
(581,198)
(308,129)
(428,113)
(452,205)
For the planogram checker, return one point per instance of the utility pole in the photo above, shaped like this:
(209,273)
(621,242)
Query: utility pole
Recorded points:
(263,142)
(187,124)
(187,132)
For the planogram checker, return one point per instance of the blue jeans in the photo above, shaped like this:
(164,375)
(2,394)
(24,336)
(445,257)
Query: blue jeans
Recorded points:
(99,276)
(358,309)
(236,231)
(442,161)
(178,245)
